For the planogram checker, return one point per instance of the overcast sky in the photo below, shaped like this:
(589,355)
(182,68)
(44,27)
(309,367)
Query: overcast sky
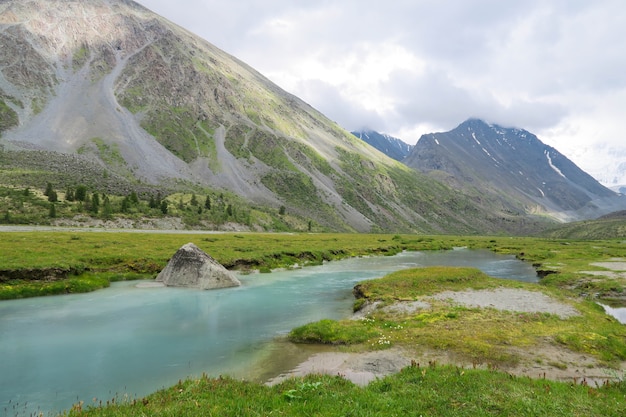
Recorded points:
(407,67)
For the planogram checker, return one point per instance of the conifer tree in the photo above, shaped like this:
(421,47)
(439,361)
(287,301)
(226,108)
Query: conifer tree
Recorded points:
(49,190)
(52,196)
(69,194)
(107,208)
(95,203)
(81,193)
(125,205)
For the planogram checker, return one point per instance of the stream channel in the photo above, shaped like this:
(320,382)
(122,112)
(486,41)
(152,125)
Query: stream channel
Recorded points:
(125,342)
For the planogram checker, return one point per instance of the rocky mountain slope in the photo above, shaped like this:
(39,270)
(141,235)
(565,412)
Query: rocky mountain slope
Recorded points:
(513,169)
(392,147)
(111,84)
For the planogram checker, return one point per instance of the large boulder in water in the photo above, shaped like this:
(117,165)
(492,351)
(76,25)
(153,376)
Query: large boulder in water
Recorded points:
(193,268)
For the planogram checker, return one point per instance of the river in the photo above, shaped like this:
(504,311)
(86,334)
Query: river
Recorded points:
(127,341)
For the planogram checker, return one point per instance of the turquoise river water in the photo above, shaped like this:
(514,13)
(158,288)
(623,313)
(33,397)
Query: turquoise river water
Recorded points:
(126,341)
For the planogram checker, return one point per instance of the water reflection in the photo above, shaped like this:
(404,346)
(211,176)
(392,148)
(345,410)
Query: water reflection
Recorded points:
(618,312)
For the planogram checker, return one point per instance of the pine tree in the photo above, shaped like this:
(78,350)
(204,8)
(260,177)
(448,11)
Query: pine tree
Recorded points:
(81,193)
(87,203)
(134,199)
(194,200)
(95,203)
(125,205)
(164,206)
(53,211)
(207,202)
(69,194)
(52,196)
(48,190)
(107,208)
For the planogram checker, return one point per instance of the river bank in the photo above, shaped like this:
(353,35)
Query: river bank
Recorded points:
(544,360)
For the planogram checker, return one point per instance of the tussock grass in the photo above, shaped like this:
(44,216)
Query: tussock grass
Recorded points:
(416,391)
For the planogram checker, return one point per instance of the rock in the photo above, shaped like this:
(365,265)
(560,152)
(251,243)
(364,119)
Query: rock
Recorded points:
(193,268)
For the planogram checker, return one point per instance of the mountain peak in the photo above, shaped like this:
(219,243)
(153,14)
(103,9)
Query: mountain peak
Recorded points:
(512,165)
(475,124)
(393,147)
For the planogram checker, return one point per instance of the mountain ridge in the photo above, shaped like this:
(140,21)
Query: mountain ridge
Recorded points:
(515,168)
(115,85)
(392,147)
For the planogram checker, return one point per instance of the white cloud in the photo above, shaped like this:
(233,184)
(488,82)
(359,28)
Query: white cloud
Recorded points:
(554,67)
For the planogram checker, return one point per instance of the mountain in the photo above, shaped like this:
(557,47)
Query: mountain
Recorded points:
(106,92)
(390,146)
(610,226)
(513,169)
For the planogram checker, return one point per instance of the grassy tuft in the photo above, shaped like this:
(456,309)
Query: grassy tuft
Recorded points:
(445,391)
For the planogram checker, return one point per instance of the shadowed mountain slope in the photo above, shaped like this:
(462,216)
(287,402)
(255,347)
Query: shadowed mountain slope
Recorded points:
(512,168)
(390,146)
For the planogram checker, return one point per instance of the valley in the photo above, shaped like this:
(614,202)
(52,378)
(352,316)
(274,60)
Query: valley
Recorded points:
(575,273)
(124,136)
(143,106)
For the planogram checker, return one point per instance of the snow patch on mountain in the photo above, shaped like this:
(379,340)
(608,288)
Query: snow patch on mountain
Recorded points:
(554,167)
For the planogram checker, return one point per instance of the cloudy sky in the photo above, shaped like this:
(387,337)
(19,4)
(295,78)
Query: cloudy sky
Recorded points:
(407,67)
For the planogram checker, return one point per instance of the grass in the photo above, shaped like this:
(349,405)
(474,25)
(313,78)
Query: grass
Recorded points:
(8,116)
(475,335)
(71,255)
(416,391)
(22,253)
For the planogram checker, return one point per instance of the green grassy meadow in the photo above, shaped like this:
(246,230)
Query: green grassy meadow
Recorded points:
(57,262)
(416,391)
(475,335)
(49,263)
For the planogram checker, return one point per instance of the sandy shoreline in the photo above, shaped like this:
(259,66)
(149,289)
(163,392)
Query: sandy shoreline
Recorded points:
(537,362)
